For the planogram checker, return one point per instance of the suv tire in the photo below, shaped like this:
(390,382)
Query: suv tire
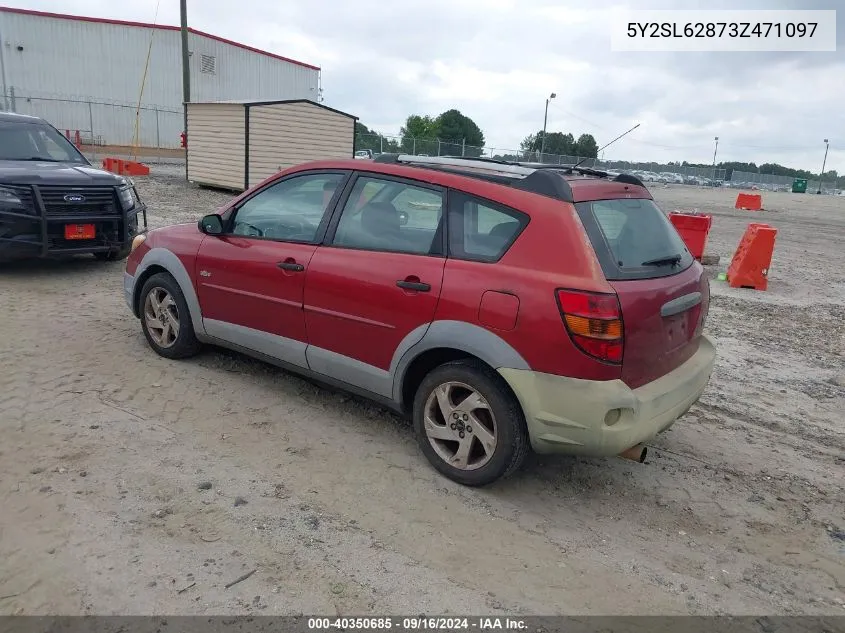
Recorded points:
(165,318)
(460,395)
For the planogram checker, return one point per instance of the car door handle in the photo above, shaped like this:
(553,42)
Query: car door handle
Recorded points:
(419,286)
(291,265)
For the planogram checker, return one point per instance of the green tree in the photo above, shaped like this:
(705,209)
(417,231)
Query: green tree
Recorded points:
(586,147)
(458,134)
(556,143)
(419,135)
(420,127)
(529,143)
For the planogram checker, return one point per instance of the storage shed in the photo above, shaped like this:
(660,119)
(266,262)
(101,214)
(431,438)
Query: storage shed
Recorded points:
(237,144)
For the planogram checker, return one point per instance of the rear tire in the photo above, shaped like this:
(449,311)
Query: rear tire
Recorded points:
(468,423)
(166,320)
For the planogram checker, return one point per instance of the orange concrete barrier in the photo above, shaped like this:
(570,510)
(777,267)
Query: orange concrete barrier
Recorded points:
(693,229)
(132,168)
(125,167)
(749,202)
(750,264)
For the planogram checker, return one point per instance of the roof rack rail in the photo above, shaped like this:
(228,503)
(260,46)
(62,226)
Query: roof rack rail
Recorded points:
(483,159)
(540,178)
(631,180)
(386,158)
(585,171)
(454,161)
(545,183)
(588,171)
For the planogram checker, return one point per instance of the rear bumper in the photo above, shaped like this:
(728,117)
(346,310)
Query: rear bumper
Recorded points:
(567,415)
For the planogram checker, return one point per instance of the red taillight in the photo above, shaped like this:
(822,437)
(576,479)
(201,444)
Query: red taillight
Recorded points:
(594,322)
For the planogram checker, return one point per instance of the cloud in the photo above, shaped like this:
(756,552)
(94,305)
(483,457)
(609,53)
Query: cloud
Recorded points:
(498,60)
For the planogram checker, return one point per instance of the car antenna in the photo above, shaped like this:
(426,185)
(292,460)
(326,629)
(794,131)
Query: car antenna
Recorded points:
(602,148)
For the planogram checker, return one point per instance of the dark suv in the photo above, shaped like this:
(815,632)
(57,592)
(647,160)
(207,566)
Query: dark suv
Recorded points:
(53,202)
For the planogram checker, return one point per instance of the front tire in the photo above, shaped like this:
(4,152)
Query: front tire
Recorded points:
(468,423)
(165,318)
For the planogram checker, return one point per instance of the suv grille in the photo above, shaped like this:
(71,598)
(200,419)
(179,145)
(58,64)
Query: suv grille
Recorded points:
(59,201)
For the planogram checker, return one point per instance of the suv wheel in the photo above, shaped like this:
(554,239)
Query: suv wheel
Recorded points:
(114,256)
(165,318)
(468,424)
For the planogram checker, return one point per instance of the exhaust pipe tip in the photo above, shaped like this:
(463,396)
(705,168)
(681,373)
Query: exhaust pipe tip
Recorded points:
(635,453)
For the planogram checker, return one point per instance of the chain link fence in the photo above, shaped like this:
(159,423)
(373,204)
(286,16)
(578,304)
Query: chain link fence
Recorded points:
(101,123)
(649,171)
(771,182)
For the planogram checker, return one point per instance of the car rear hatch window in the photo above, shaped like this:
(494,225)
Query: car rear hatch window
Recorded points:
(663,292)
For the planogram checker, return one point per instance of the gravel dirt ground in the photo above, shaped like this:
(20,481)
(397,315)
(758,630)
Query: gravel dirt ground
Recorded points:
(136,485)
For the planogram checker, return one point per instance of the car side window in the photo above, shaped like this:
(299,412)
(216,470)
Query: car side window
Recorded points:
(480,229)
(290,210)
(389,215)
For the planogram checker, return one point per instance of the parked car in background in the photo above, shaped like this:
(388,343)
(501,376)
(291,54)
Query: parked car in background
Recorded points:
(53,202)
(673,178)
(364,154)
(436,287)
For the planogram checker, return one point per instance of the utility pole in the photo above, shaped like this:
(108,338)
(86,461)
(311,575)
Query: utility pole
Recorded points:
(186,74)
(3,76)
(716,149)
(824,162)
(545,120)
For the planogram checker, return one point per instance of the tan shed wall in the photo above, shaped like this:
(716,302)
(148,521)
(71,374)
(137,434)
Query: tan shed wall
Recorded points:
(286,134)
(216,144)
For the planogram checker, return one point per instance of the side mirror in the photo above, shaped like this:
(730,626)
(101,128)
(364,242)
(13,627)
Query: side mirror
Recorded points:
(403,218)
(211,225)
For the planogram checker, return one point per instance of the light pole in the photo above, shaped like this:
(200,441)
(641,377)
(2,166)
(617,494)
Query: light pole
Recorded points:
(715,149)
(824,162)
(186,74)
(545,120)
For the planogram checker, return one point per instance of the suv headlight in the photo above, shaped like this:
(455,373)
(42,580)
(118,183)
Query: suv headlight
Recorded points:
(11,201)
(128,197)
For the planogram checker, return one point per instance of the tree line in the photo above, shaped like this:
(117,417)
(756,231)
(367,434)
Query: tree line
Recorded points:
(448,133)
(454,133)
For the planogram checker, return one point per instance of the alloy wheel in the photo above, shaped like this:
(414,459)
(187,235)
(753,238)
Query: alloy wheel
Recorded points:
(460,425)
(161,317)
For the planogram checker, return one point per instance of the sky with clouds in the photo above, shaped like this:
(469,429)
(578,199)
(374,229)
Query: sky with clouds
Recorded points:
(498,60)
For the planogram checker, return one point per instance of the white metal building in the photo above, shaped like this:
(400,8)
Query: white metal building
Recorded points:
(84,73)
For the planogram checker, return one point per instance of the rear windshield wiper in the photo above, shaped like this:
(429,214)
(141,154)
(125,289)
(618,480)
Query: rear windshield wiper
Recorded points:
(672,260)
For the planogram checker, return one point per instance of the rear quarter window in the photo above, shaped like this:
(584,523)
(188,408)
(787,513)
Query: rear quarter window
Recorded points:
(481,230)
(630,236)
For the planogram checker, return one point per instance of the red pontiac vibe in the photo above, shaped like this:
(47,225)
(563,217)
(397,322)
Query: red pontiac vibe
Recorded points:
(503,306)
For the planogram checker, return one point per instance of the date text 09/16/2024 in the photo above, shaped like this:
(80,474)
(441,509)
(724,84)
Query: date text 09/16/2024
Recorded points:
(420,623)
